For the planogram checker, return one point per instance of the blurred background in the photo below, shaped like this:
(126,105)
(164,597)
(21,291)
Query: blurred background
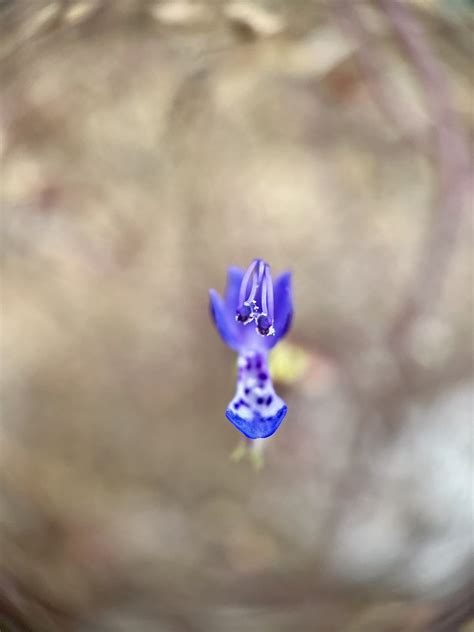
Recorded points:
(147,145)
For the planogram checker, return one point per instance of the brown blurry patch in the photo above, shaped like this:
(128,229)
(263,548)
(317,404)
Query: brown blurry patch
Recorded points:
(141,157)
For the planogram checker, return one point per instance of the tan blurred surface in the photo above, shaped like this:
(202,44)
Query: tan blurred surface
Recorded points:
(148,145)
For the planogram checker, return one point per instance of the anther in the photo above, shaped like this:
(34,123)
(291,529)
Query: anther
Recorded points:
(244,314)
(265,326)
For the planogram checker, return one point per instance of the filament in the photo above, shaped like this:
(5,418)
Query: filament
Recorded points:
(267,293)
(269,284)
(245,280)
(256,281)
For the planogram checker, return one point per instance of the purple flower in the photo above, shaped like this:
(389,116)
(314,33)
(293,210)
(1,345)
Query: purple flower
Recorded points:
(255,314)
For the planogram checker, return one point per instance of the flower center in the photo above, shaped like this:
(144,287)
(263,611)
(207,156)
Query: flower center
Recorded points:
(256,298)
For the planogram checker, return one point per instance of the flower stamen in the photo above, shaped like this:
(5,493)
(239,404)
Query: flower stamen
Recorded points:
(265,319)
(269,288)
(245,280)
(248,307)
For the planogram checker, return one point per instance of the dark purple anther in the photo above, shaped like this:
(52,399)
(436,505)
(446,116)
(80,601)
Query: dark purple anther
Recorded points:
(263,325)
(243,313)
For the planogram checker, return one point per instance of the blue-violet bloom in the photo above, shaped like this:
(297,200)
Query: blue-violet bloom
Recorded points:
(254,315)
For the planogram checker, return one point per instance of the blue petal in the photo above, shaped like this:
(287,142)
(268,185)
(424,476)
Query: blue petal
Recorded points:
(224,319)
(283,309)
(258,427)
(234,279)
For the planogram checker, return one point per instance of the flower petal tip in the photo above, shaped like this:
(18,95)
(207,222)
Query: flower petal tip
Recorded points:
(259,427)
